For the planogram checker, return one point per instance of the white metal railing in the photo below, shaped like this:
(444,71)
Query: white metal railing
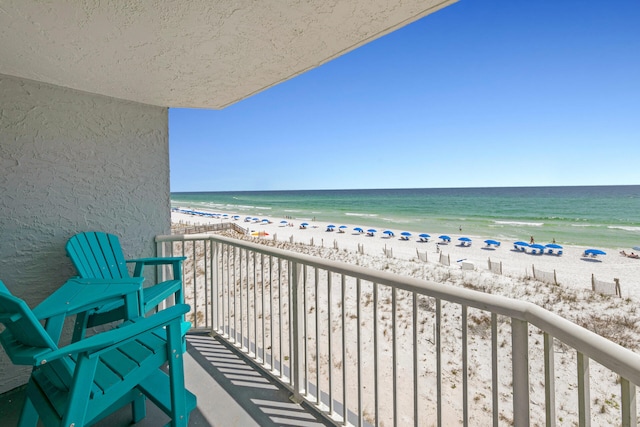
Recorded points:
(365,347)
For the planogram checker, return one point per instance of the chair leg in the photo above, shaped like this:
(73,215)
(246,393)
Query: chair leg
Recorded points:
(29,415)
(179,416)
(139,408)
(78,402)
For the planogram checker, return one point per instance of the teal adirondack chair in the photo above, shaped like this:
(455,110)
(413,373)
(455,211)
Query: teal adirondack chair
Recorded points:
(98,255)
(85,381)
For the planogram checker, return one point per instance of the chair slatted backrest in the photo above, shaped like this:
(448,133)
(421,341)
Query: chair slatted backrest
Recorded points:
(97,255)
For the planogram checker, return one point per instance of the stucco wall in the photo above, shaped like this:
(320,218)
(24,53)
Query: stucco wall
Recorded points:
(70,162)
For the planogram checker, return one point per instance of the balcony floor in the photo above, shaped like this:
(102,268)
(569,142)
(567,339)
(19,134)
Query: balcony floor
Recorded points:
(231,391)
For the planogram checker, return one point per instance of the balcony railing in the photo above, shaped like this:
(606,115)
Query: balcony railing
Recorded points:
(365,347)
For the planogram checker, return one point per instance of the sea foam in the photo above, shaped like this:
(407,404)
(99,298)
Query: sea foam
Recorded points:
(360,214)
(622,227)
(526,224)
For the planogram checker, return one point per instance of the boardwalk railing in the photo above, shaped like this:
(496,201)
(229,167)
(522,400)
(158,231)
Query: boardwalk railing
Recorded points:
(365,347)
(188,228)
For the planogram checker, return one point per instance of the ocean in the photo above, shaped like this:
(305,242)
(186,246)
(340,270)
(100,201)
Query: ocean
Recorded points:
(595,216)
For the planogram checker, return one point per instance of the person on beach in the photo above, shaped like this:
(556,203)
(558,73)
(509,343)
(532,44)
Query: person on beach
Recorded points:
(531,242)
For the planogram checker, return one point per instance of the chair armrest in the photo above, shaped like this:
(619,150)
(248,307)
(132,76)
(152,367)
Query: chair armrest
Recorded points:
(65,299)
(175,261)
(159,261)
(105,341)
(115,281)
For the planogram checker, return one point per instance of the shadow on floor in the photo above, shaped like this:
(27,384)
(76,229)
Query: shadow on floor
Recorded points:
(231,392)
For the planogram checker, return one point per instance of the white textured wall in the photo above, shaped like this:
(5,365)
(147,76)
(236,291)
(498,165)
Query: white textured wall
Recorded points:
(70,162)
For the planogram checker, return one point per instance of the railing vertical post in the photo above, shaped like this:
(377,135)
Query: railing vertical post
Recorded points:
(297,320)
(271,315)
(359,349)
(520,367)
(584,399)
(306,330)
(263,317)
(207,290)
(494,368)
(280,325)
(549,381)
(465,368)
(255,304)
(343,292)
(394,354)
(628,397)
(438,362)
(214,279)
(316,311)
(376,384)
(414,297)
(330,343)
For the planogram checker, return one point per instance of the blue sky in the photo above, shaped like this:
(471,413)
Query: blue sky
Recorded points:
(480,94)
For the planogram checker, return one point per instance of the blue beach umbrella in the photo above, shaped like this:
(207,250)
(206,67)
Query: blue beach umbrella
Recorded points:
(372,230)
(388,232)
(358,229)
(405,233)
(525,244)
(445,238)
(464,239)
(236,216)
(492,242)
(265,220)
(284,221)
(343,226)
(594,252)
(304,224)
(425,235)
(331,226)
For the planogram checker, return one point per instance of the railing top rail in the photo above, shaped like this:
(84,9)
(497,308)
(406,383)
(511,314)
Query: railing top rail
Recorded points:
(613,356)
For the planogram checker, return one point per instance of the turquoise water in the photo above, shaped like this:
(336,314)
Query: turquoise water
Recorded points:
(597,216)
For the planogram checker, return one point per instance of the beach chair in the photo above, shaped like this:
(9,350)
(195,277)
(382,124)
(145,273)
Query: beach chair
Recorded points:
(85,381)
(98,255)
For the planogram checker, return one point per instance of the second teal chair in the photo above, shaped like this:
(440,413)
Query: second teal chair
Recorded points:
(98,255)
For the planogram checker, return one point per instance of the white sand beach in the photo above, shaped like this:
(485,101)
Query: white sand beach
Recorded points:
(572,269)
(572,297)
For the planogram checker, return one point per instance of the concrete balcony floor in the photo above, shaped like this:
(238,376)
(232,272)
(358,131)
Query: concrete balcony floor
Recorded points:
(231,391)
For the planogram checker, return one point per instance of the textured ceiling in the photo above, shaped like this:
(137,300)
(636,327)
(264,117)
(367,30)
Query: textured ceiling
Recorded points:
(188,53)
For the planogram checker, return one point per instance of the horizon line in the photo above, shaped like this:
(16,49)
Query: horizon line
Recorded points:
(409,188)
